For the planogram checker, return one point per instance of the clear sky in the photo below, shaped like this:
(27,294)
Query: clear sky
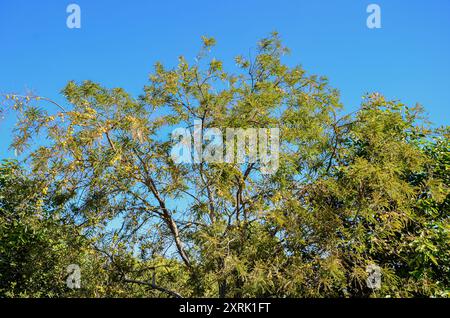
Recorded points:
(119,41)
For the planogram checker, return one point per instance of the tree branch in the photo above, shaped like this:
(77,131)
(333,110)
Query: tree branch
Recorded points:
(154,286)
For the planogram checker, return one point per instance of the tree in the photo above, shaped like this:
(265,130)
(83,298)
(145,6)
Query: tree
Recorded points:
(35,247)
(349,190)
(38,242)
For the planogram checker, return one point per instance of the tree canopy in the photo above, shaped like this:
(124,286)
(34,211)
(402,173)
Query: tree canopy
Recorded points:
(99,188)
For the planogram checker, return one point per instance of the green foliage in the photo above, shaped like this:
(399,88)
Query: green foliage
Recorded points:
(34,244)
(367,188)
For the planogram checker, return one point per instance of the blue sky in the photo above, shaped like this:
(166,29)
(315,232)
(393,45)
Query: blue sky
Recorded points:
(119,41)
